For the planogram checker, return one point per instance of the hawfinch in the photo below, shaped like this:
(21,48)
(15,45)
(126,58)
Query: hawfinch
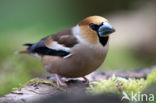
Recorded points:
(74,52)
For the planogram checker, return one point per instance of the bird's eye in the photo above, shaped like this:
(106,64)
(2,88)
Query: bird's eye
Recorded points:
(94,26)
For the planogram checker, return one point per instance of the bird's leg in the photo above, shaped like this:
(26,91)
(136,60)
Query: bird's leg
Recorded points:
(59,81)
(86,80)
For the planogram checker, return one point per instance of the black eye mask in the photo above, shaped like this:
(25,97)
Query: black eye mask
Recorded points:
(95,27)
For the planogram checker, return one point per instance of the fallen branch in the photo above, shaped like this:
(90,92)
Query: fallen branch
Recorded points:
(39,89)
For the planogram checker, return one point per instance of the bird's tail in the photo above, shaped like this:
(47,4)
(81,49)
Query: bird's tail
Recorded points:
(27,51)
(23,52)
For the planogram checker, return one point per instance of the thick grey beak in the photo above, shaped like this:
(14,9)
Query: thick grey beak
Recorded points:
(105,29)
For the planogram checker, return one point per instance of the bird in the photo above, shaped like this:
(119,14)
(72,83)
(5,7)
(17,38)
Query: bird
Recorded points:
(76,51)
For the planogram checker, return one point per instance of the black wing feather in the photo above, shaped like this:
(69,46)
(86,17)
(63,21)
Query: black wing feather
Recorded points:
(40,48)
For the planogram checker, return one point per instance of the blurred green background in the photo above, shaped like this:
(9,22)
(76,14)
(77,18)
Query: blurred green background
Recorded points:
(24,21)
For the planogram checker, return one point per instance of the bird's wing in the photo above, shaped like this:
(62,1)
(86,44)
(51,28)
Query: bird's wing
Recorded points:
(59,44)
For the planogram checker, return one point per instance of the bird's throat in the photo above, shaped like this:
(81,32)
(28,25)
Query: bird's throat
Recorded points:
(103,40)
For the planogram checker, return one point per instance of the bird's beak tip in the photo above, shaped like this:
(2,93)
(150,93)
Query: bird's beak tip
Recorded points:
(106,29)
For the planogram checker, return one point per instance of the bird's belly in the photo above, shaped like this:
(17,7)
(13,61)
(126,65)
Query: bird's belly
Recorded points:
(83,61)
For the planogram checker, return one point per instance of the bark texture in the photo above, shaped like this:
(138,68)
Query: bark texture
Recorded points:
(44,91)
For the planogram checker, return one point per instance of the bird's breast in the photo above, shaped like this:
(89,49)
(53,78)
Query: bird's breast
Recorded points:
(84,60)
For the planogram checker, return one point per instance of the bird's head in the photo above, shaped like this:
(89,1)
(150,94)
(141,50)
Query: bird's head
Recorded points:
(97,24)
(94,27)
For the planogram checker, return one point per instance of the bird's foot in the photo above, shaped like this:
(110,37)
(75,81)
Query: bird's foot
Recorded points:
(86,81)
(59,82)
(36,85)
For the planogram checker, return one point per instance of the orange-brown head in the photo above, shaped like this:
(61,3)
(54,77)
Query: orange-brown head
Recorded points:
(94,27)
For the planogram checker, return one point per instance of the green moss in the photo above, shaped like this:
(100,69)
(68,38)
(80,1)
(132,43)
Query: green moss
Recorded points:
(151,79)
(37,81)
(117,85)
(121,85)
(40,81)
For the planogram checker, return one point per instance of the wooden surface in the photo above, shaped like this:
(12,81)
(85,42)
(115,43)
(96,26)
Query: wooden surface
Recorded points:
(40,90)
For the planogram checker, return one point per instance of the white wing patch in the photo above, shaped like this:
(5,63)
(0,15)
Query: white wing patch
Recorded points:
(57,46)
(69,55)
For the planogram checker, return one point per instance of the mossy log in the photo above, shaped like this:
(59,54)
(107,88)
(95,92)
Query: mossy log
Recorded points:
(45,91)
